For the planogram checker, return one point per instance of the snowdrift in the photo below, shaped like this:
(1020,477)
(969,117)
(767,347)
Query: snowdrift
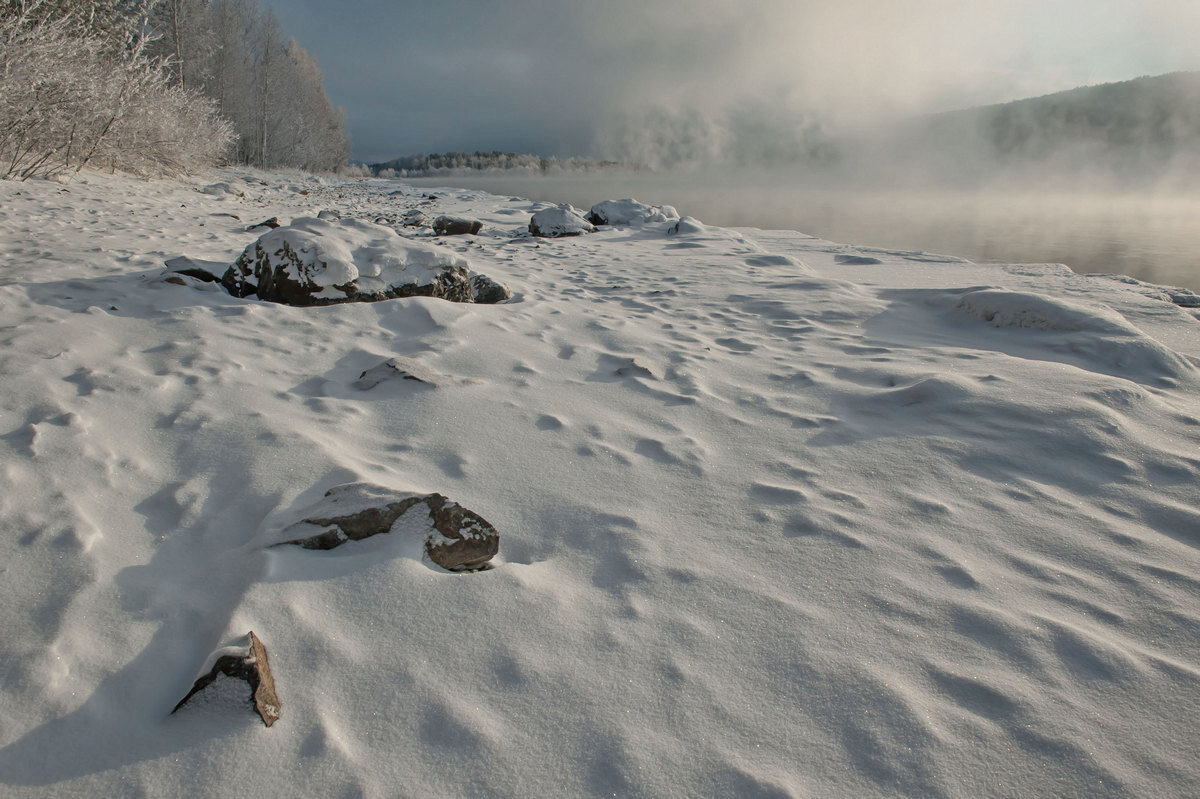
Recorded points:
(777,516)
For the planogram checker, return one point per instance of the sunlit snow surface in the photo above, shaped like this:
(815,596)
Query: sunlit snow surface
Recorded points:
(773,522)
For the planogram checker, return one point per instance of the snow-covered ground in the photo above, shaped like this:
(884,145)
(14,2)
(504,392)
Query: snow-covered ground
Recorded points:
(778,516)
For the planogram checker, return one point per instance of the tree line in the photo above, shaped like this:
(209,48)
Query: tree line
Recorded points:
(157,87)
(434,164)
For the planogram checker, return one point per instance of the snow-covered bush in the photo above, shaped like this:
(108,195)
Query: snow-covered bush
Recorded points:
(68,100)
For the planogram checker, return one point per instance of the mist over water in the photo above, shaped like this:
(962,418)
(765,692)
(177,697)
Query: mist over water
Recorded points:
(1153,236)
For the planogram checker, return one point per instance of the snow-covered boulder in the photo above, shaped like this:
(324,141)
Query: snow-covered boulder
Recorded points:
(688,226)
(630,212)
(322,262)
(563,220)
(453,537)
(456,226)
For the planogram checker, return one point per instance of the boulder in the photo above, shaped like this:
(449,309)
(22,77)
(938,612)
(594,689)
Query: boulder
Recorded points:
(250,664)
(453,537)
(488,291)
(456,226)
(630,212)
(322,262)
(552,223)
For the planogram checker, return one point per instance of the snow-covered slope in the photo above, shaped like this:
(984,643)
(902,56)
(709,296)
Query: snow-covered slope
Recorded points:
(778,517)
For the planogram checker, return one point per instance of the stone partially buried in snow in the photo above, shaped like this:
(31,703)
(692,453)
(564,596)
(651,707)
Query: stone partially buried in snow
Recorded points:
(324,261)
(553,223)
(396,369)
(454,538)
(630,212)
(456,226)
(247,663)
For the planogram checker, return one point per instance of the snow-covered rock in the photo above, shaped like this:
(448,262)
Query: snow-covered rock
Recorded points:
(630,212)
(321,262)
(396,369)
(563,220)
(687,226)
(454,538)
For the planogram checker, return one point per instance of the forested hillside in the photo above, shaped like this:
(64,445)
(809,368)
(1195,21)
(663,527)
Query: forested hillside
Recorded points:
(1147,129)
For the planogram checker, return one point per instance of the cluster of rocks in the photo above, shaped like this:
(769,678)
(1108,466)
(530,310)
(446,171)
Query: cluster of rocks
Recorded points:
(316,261)
(453,538)
(566,220)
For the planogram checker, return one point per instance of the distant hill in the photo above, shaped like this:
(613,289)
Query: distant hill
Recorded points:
(1145,129)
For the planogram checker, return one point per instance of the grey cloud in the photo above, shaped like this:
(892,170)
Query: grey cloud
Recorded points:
(568,79)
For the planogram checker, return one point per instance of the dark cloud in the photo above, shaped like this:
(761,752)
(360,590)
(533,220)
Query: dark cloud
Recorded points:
(586,78)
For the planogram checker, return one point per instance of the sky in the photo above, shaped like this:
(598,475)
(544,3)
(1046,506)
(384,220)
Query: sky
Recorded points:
(636,78)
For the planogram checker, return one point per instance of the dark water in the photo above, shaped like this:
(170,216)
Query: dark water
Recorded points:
(1153,237)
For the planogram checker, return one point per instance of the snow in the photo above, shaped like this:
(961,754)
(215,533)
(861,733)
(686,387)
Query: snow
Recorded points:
(779,516)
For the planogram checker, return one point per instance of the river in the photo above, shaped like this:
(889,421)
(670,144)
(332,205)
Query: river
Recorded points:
(1154,237)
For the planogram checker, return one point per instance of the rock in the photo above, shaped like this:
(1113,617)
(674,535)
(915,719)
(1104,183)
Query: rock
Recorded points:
(323,262)
(395,369)
(631,368)
(329,213)
(629,212)
(456,226)
(856,260)
(686,226)
(552,223)
(222,189)
(208,271)
(251,665)
(413,218)
(488,291)
(273,222)
(454,538)
(1184,298)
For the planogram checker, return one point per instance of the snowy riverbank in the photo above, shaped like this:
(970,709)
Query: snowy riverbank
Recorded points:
(777,516)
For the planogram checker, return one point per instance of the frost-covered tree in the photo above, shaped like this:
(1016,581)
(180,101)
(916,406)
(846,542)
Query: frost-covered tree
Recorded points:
(69,99)
(186,39)
(158,86)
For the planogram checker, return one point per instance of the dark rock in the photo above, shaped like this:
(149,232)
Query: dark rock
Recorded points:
(273,222)
(208,271)
(455,538)
(251,666)
(488,291)
(456,226)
